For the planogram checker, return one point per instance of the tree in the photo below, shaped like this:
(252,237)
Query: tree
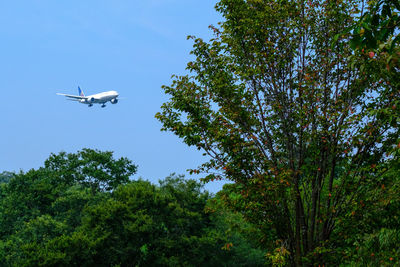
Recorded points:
(58,186)
(92,168)
(288,117)
(61,215)
(148,225)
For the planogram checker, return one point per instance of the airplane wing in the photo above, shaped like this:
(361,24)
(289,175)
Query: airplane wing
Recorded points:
(77,97)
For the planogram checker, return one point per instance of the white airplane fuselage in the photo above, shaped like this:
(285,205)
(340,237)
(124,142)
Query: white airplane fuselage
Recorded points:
(101,98)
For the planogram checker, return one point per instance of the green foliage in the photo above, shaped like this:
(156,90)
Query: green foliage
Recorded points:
(63,214)
(375,41)
(163,225)
(299,125)
(29,246)
(39,207)
(377,249)
(5,177)
(241,237)
(369,236)
(279,258)
(379,23)
(91,168)
(33,193)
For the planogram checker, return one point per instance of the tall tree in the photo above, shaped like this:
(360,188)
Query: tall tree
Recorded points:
(286,116)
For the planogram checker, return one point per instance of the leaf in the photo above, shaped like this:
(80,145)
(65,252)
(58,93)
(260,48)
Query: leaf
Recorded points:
(383,34)
(144,249)
(386,11)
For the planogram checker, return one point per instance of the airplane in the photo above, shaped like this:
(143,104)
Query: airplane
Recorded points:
(100,98)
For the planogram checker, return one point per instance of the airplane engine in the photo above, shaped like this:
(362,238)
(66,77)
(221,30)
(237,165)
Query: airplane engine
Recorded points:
(90,100)
(114,101)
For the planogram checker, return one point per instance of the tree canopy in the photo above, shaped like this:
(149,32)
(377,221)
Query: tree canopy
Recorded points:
(83,209)
(299,126)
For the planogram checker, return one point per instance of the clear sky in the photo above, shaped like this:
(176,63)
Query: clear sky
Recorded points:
(131,46)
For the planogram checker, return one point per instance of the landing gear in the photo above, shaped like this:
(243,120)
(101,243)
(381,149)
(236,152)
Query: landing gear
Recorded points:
(103,106)
(90,105)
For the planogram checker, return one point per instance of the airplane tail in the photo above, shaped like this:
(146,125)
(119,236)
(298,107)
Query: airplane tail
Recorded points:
(80,92)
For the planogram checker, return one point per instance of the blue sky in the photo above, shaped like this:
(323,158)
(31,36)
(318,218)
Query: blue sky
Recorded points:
(130,46)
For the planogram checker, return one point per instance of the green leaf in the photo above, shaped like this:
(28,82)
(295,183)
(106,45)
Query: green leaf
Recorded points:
(355,42)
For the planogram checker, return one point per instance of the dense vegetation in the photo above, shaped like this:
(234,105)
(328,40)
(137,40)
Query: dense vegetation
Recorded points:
(296,102)
(82,210)
(59,215)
